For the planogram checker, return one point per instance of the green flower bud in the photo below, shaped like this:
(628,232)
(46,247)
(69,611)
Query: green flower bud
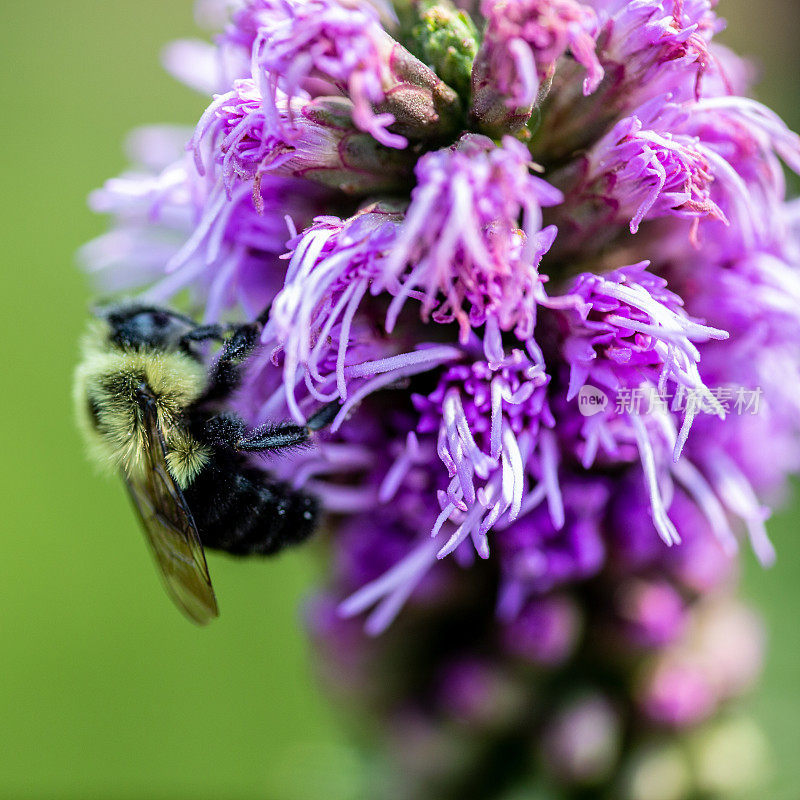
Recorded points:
(731,758)
(424,106)
(659,771)
(446,39)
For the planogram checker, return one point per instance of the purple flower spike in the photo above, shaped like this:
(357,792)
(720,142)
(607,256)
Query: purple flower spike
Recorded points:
(323,146)
(645,39)
(175,231)
(543,462)
(636,333)
(317,318)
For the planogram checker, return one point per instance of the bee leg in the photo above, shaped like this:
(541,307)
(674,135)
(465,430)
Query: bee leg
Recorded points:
(277,437)
(322,418)
(287,434)
(204,333)
(225,375)
(225,430)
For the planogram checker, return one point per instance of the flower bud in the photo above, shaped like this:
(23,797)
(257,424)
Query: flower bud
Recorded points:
(448,40)
(581,743)
(423,105)
(656,772)
(493,112)
(545,633)
(323,47)
(313,139)
(481,695)
(651,613)
(677,692)
(731,758)
(517,62)
(354,162)
(730,641)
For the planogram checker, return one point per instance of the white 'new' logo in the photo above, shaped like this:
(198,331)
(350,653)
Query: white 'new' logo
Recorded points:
(591,401)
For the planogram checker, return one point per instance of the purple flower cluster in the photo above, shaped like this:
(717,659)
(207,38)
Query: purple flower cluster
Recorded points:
(559,302)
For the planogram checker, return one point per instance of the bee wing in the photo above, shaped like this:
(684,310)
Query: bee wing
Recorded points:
(171,531)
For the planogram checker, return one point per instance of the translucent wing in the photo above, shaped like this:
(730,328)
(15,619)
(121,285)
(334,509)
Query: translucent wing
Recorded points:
(170,529)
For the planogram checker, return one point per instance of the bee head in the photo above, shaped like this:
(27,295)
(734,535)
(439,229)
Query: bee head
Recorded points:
(138,326)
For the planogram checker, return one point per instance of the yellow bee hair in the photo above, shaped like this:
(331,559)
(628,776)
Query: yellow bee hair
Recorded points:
(109,414)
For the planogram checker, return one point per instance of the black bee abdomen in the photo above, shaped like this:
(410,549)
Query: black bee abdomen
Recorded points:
(245,512)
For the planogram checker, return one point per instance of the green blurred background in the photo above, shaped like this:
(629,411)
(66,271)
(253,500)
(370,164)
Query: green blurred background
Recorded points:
(105,691)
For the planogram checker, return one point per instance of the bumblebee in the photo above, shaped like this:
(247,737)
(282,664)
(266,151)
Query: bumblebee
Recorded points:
(151,410)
